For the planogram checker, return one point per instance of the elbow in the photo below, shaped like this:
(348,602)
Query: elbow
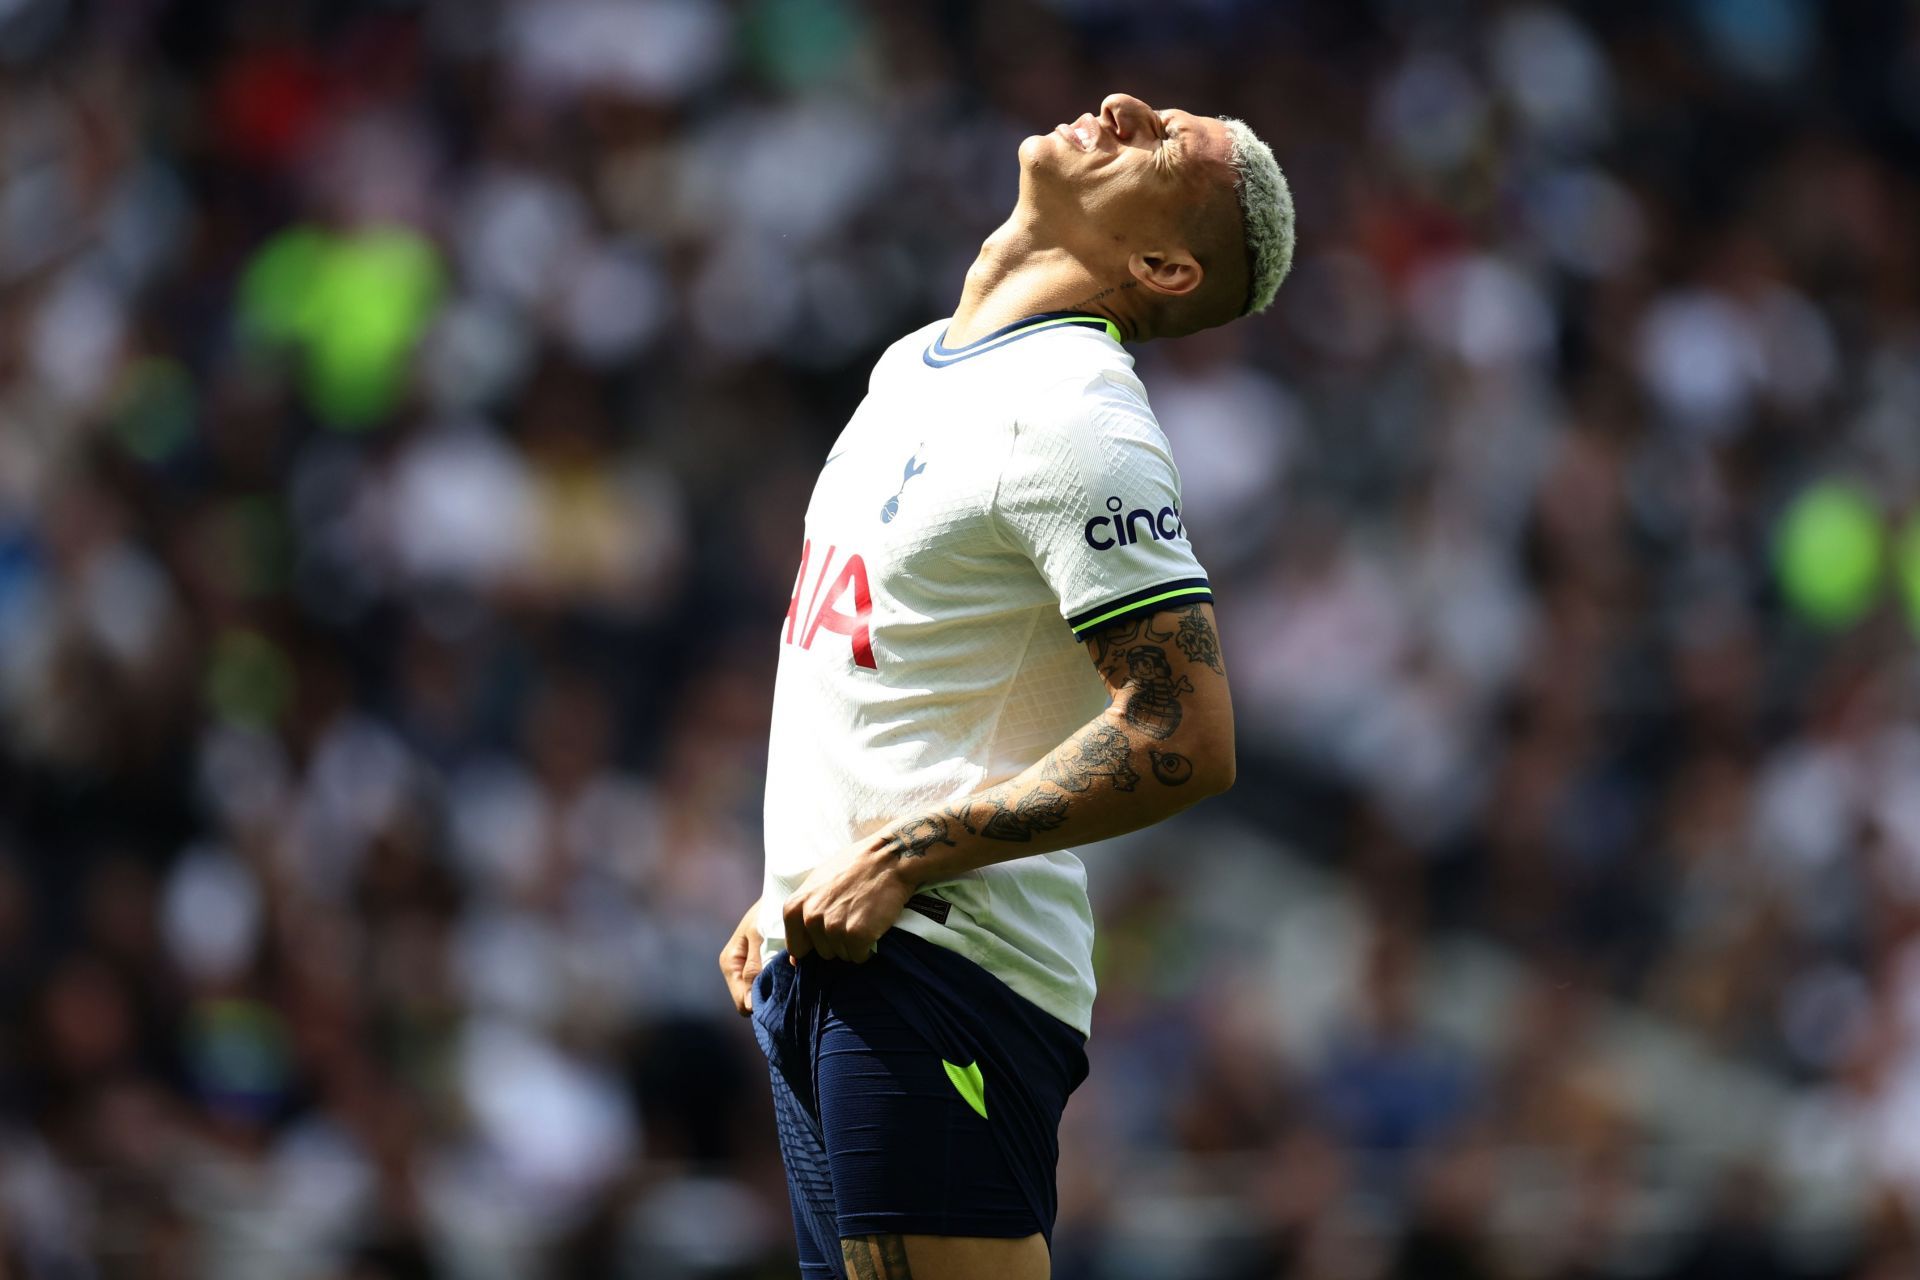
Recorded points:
(1220,777)
(1213,768)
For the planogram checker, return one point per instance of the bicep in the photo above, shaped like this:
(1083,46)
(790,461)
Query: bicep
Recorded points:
(1167,678)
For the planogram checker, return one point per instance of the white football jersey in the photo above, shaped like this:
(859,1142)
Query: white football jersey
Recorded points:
(985,507)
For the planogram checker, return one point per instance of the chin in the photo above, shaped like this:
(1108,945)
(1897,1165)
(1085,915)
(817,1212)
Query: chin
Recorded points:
(1033,151)
(1045,161)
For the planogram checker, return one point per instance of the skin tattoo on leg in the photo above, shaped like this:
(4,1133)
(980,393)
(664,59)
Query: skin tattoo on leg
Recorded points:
(876,1258)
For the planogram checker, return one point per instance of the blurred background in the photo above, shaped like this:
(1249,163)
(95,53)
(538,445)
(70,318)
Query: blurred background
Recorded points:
(407,410)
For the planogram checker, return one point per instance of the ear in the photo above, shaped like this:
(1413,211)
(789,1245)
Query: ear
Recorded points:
(1170,272)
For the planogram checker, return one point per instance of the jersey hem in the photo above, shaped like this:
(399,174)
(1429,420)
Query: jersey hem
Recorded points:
(1075,1014)
(1167,595)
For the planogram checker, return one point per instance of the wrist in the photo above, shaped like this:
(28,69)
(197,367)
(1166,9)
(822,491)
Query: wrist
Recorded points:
(895,862)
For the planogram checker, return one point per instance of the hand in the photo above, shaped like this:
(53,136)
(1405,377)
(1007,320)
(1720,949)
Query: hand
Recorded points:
(740,960)
(845,904)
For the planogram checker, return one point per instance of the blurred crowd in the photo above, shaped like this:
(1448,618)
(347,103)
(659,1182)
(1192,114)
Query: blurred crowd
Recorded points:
(407,408)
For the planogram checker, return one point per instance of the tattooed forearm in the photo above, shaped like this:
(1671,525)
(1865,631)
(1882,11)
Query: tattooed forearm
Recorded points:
(1100,751)
(1157,722)
(912,838)
(1003,825)
(1017,811)
(876,1258)
(1041,809)
(1197,640)
(1169,767)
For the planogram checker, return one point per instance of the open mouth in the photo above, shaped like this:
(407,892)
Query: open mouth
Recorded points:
(1078,135)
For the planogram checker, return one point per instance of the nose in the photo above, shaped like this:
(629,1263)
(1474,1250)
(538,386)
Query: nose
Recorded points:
(1128,117)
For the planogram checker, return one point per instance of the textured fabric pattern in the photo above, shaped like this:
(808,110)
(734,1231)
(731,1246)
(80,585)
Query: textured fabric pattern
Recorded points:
(803,1150)
(966,511)
(1090,494)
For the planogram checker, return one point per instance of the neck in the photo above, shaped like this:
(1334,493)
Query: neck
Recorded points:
(1018,274)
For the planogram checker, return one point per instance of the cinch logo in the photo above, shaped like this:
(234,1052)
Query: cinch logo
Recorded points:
(823,604)
(1104,532)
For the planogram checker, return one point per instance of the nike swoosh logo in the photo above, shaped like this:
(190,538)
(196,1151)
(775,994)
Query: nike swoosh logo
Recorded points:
(971,1084)
(831,457)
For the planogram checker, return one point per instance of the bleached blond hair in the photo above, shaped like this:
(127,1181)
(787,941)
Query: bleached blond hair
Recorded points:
(1266,213)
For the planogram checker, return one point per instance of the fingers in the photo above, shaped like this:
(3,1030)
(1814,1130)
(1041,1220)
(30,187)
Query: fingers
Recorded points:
(799,944)
(742,986)
(739,972)
(826,942)
(849,942)
(809,932)
(740,963)
(858,936)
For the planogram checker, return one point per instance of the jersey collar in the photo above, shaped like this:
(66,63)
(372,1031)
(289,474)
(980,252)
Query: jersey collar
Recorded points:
(940,354)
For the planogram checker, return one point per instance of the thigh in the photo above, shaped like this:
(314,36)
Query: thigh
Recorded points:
(908,1153)
(803,1149)
(946,1258)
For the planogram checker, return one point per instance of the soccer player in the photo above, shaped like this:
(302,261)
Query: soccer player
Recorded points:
(919,966)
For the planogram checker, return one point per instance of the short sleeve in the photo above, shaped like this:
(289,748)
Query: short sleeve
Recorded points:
(1089,492)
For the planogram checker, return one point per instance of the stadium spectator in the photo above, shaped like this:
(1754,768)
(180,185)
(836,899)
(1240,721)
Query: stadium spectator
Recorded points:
(406,409)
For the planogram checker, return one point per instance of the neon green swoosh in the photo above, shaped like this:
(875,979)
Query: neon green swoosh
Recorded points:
(970,1083)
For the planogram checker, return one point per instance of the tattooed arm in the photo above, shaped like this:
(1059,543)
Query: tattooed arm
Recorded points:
(1165,741)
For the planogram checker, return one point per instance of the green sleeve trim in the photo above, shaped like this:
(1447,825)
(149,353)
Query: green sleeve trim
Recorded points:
(1135,606)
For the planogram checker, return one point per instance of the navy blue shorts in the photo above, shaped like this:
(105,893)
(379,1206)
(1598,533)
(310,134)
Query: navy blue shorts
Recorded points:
(881,1072)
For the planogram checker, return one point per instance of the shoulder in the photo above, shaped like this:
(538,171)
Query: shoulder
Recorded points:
(903,354)
(1095,392)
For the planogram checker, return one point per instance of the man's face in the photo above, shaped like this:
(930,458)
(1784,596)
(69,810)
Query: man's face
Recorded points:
(1128,172)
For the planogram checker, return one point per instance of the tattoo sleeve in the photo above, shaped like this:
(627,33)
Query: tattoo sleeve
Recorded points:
(1150,663)
(1196,639)
(1170,768)
(998,818)
(912,838)
(1098,752)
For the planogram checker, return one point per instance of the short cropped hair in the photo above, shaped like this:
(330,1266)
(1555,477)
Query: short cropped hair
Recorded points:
(1266,214)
